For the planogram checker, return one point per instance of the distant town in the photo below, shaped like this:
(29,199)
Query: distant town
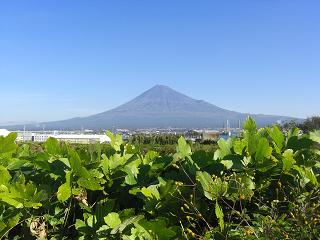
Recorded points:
(87,136)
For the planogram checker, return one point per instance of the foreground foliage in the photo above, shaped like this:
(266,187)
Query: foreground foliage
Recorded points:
(264,185)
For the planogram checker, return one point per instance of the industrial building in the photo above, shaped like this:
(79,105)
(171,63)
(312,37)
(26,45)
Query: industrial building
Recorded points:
(83,138)
(42,136)
(4,132)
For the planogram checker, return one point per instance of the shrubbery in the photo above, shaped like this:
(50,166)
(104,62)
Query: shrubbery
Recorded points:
(264,185)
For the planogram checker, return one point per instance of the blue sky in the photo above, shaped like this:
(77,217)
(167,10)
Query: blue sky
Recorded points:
(61,59)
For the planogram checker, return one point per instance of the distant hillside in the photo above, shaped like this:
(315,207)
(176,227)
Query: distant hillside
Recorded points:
(159,107)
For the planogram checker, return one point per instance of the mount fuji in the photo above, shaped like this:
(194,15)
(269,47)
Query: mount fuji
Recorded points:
(159,107)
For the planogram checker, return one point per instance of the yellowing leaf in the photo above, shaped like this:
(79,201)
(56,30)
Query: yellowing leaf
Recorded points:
(288,160)
(151,192)
(64,192)
(112,220)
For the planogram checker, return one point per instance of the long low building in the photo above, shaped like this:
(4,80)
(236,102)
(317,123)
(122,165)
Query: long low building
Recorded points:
(42,136)
(82,138)
(4,132)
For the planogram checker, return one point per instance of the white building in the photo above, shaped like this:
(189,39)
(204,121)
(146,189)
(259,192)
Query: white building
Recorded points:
(82,138)
(42,136)
(4,132)
(38,137)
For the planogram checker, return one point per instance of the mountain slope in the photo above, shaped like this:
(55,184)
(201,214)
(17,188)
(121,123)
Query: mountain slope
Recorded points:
(158,107)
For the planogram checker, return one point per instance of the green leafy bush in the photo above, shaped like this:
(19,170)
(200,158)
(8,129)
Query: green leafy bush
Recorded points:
(263,185)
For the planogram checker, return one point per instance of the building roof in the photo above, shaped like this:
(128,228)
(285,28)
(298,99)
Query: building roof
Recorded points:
(4,132)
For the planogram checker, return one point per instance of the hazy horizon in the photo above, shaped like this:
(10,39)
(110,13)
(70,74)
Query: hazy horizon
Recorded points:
(165,100)
(61,60)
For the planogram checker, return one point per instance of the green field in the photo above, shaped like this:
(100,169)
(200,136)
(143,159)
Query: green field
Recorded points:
(263,185)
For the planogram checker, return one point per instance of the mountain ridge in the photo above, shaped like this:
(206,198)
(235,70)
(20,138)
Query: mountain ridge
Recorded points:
(159,107)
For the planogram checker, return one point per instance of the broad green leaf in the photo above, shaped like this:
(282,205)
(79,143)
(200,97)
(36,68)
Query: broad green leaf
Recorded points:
(138,233)
(150,156)
(117,160)
(104,164)
(31,204)
(102,230)
(206,182)
(75,164)
(239,145)
(40,196)
(250,134)
(91,220)
(5,176)
(167,188)
(227,163)
(90,183)
(112,220)
(158,229)
(183,147)
(5,197)
(250,125)
(267,164)
(2,226)
(65,161)
(80,224)
(277,137)
(310,174)
(24,151)
(52,146)
(294,132)
(288,160)
(224,149)
(263,150)
(220,215)
(16,164)
(213,189)
(4,188)
(131,220)
(41,164)
(130,178)
(315,136)
(13,221)
(132,171)
(64,191)
(150,192)
(115,141)
(7,144)
(102,208)
(74,160)
(233,161)
(307,173)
